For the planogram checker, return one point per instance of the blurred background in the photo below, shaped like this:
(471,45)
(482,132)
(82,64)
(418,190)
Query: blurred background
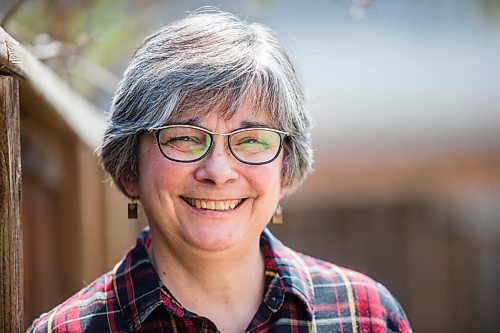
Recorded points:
(405,96)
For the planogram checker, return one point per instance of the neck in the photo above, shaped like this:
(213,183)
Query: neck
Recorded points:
(219,286)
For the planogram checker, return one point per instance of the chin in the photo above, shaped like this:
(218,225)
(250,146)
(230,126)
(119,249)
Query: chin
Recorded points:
(214,240)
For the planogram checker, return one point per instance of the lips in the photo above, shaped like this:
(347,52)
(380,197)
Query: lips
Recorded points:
(213,204)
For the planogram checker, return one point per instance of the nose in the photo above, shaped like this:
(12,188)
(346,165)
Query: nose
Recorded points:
(218,166)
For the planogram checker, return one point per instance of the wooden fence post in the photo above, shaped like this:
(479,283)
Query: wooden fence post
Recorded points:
(11,272)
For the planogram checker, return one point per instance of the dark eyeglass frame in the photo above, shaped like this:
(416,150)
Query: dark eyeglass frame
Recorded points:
(156,132)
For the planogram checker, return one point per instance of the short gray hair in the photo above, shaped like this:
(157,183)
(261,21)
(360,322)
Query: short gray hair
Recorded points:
(210,60)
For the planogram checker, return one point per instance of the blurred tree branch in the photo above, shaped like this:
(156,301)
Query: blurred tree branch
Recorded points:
(358,8)
(67,41)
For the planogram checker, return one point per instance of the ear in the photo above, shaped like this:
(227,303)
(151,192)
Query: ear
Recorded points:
(131,185)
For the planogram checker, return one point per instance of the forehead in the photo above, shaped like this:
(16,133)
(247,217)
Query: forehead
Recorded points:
(244,115)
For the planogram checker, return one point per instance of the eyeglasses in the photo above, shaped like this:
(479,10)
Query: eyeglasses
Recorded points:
(187,143)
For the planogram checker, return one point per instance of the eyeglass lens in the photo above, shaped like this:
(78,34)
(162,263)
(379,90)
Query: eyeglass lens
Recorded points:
(185,144)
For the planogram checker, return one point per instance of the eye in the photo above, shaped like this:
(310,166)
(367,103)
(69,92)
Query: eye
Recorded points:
(255,141)
(181,139)
(185,142)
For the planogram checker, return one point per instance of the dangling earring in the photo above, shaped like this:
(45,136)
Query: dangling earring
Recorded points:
(132,208)
(278,215)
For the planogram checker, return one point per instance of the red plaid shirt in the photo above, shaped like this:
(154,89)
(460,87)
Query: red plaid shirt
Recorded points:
(302,294)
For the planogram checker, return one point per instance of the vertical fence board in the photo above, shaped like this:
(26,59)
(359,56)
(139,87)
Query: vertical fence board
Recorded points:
(11,281)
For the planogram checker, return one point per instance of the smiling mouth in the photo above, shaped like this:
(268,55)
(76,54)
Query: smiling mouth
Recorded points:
(213,205)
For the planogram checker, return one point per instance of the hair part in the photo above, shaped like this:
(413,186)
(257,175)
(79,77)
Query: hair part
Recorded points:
(208,61)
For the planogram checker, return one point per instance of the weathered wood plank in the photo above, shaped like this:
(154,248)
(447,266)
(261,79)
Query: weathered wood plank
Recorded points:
(11,281)
(9,59)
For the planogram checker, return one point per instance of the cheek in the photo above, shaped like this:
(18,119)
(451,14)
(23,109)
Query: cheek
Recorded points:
(266,179)
(154,169)
(164,175)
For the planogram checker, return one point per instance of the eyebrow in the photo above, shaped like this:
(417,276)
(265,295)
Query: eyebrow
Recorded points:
(191,121)
(248,124)
(244,124)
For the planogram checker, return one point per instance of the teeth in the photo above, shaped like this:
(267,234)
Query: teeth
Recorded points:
(213,205)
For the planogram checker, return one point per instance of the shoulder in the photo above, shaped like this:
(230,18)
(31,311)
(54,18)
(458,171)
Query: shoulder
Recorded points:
(339,299)
(93,309)
(351,294)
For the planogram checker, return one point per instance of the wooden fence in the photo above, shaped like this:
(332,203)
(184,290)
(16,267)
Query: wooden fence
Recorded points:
(74,224)
(11,290)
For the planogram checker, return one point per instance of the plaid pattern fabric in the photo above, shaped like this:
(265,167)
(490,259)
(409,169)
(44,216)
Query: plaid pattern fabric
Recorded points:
(302,294)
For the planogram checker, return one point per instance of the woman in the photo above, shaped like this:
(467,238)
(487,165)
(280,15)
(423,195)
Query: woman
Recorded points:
(208,132)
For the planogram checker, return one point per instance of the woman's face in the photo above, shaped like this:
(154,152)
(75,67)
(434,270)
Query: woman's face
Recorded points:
(168,189)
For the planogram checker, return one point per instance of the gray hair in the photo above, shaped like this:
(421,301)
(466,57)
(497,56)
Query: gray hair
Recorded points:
(210,60)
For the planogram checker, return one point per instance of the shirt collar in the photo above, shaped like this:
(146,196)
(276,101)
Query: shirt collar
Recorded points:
(290,268)
(139,290)
(137,285)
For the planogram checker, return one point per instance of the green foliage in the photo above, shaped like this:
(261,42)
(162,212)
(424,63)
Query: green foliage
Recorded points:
(98,35)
